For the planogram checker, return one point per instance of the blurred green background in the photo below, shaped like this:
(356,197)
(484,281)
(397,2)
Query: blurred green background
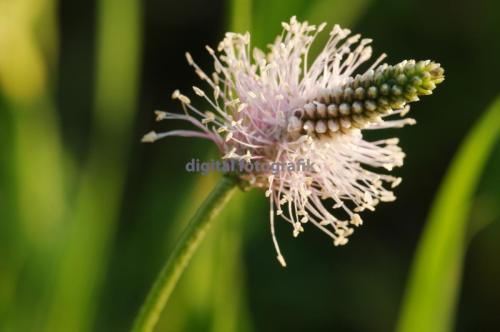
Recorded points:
(88,214)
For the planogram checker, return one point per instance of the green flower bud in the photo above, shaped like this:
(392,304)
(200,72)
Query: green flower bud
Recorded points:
(366,97)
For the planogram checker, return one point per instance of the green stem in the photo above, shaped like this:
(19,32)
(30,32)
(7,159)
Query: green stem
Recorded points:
(186,246)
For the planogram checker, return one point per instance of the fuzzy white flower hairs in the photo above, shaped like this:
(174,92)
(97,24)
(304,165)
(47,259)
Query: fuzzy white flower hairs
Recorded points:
(280,107)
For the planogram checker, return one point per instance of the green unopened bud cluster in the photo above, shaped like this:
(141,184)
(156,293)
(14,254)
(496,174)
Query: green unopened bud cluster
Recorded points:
(365,98)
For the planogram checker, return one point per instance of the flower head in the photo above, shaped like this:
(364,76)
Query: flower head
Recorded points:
(280,107)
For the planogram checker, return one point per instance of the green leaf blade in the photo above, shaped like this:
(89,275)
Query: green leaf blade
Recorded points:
(434,281)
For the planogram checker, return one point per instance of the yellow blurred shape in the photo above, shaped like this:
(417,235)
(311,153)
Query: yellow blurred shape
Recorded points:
(22,68)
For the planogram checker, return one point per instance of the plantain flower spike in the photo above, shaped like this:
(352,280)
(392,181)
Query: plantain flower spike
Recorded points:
(280,107)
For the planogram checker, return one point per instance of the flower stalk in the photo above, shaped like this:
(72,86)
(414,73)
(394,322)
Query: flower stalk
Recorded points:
(186,246)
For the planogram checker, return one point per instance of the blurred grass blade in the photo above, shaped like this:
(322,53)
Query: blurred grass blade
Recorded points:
(229,306)
(433,286)
(267,18)
(230,312)
(197,303)
(25,83)
(343,12)
(32,200)
(98,201)
(240,18)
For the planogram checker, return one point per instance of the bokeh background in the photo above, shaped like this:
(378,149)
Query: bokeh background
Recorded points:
(88,214)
